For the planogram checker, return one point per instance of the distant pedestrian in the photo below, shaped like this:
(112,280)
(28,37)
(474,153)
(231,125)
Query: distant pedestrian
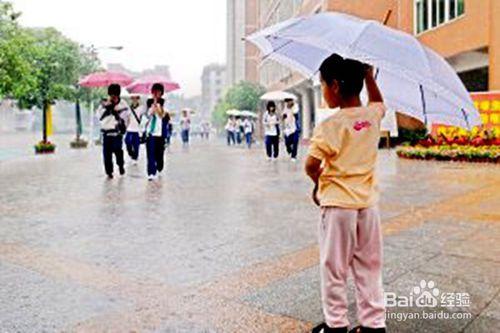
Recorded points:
(205,130)
(230,131)
(155,143)
(112,115)
(291,128)
(166,128)
(134,129)
(271,131)
(341,163)
(248,130)
(185,127)
(169,132)
(238,130)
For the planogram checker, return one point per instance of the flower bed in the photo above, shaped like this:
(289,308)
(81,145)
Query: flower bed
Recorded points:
(455,152)
(44,147)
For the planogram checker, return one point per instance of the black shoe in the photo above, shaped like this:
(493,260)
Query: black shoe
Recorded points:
(110,175)
(361,329)
(122,170)
(324,328)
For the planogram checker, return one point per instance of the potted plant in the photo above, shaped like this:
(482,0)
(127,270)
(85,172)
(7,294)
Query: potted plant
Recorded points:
(45,147)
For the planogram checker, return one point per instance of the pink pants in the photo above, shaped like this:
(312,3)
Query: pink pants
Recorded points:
(351,238)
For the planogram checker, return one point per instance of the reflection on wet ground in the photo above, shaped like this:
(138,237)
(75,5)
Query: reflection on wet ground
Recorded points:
(225,242)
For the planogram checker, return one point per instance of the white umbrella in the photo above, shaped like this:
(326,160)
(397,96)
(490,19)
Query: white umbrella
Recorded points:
(414,79)
(233,112)
(248,114)
(277,96)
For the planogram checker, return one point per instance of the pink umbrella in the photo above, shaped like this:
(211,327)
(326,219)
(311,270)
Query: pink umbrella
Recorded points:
(144,84)
(105,78)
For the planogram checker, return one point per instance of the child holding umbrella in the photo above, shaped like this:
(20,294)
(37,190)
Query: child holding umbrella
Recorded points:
(341,163)
(112,115)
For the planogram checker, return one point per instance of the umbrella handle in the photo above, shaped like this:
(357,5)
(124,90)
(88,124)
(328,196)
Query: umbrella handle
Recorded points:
(387,17)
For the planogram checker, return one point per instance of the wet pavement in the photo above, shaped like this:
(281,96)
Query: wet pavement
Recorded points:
(226,242)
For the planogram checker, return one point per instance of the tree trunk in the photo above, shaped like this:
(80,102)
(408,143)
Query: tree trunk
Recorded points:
(44,125)
(78,120)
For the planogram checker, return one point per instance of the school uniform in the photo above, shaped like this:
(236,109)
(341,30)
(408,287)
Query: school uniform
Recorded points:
(230,129)
(271,133)
(112,137)
(291,130)
(237,131)
(155,143)
(185,127)
(248,130)
(349,231)
(166,129)
(134,131)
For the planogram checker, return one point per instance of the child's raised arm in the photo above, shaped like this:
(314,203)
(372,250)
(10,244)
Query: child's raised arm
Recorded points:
(374,94)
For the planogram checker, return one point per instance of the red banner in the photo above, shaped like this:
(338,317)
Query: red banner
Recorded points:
(488,105)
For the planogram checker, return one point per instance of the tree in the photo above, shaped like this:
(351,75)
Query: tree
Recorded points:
(242,96)
(40,66)
(16,51)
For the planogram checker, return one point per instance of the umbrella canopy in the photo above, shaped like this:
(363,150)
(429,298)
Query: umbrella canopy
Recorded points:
(144,84)
(277,96)
(248,114)
(413,79)
(104,79)
(233,112)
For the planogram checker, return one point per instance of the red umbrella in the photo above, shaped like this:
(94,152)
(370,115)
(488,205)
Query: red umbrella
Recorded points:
(105,78)
(144,84)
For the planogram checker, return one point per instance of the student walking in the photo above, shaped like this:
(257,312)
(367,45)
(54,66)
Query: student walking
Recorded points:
(248,130)
(185,127)
(230,131)
(166,129)
(341,163)
(238,130)
(292,129)
(112,115)
(134,129)
(271,131)
(155,142)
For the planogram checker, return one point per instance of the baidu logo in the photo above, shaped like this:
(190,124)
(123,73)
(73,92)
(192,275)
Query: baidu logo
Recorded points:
(426,294)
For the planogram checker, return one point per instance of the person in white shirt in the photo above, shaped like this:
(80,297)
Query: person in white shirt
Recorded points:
(134,128)
(155,145)
(112,115)
(230,129)
(185,127)
(248,130)
(291,131)
(271,131)
(205,130)
(237,130)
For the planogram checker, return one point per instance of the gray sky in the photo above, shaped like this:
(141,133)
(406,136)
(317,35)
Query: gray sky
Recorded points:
(184,34)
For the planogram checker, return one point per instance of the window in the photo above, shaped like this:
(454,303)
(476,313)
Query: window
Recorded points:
(442,11)
(433,13)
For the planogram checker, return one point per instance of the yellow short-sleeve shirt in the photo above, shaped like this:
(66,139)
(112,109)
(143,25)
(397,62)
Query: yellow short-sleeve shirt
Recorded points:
(347,144)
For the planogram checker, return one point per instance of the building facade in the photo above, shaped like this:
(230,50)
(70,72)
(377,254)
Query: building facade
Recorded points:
(242,58)
(213,83)
(465,32)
